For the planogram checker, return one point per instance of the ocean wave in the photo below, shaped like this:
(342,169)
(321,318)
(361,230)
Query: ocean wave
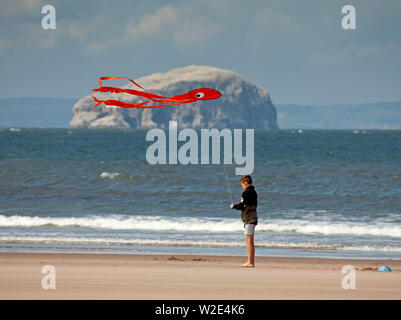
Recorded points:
(109,175)
(189,243)
(209,225)
(115,175)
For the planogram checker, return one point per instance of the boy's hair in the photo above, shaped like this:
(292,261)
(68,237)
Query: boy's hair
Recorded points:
(246,178)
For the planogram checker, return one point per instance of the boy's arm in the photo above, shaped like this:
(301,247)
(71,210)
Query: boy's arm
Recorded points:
(242,204)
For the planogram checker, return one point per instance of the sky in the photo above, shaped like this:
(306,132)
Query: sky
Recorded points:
(296,50)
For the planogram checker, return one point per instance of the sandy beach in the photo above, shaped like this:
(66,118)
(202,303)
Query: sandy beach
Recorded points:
(109,276)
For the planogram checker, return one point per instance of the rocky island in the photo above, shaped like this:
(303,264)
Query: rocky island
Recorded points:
(242,104)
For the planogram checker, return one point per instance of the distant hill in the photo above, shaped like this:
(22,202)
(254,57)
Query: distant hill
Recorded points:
(35,112)
(381,115)
(242,104)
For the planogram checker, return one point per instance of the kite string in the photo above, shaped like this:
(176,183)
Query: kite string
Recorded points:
(228,184)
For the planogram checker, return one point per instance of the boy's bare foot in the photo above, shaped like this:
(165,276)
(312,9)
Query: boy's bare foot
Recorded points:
(247,265)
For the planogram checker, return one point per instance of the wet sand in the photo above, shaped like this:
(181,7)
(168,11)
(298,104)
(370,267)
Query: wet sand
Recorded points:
(110,276)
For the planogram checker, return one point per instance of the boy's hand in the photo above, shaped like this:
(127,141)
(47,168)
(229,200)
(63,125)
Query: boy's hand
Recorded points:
(231,206)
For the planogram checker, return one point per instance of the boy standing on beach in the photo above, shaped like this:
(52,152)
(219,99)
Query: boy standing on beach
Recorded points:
(247,205)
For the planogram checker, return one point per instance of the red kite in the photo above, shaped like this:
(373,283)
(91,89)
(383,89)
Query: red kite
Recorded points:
(191,96)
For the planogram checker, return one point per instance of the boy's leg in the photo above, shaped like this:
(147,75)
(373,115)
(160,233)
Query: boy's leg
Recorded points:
(250,246)
(251,249)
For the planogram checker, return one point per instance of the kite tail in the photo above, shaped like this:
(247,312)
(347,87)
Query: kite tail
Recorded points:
(97,102)
(115,78)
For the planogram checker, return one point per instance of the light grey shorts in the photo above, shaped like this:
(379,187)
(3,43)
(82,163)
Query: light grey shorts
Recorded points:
(249,229)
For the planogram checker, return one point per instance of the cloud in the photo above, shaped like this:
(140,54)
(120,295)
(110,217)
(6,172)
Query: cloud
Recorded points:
(80,29)
(97,46)
(388,51)
(5,43)
(152,24)
(34,34)
(183,26)
(85,29)
(13,15)
(11,8)
(192,32)
(390,47)
(269,18)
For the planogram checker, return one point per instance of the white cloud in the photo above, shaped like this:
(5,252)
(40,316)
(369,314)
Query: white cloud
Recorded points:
(390,50)
(390,47)
(11,12)
(152,24)
(97,46)
(192,32)
(182,25)
(333,57)
(17,7)
(280,23)
(5,43)
(31,32)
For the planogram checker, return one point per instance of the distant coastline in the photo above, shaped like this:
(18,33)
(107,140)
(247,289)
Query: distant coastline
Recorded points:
(379,115)
(57,113)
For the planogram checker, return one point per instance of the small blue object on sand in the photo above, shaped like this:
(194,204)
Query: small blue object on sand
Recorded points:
(384,268)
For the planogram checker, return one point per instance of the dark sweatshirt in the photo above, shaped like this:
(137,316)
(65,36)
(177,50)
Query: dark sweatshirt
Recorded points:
(247,205)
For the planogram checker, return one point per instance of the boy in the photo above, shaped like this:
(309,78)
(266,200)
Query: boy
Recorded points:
(247,205)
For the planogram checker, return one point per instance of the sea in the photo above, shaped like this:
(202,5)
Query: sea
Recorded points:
(321,193)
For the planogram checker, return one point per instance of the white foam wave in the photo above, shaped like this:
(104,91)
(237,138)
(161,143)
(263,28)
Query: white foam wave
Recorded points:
(217,225)
(109,175)
(188,243)
(334,228)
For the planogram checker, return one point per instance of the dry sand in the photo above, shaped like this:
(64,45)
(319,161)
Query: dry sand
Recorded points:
(109,276)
